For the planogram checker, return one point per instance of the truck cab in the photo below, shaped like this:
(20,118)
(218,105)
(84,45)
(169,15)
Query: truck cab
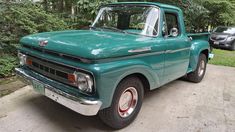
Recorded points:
(131,48)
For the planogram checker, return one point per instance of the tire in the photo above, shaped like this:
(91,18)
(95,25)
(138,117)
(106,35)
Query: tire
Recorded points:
(117,116)
(197,75)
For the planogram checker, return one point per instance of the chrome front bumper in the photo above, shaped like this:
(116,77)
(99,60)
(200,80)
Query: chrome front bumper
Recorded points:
(79,105)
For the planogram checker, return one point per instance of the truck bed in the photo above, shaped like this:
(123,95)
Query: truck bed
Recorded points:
(199,36)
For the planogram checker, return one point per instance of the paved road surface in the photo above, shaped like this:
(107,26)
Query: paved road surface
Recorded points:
(177,107)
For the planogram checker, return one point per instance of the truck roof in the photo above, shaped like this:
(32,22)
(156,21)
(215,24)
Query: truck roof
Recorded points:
(150,3)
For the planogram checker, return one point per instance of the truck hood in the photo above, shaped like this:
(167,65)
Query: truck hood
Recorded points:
(88,44)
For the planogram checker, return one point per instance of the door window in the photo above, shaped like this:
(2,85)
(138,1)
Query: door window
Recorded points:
(170,25)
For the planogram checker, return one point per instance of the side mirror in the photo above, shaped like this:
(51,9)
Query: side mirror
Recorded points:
(174,32)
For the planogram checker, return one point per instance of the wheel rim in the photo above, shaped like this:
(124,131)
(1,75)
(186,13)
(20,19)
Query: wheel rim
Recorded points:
(127,102)
(201,68)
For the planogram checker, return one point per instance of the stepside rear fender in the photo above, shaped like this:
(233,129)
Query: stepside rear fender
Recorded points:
(197,47)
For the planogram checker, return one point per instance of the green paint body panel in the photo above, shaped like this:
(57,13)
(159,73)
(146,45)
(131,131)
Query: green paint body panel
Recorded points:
(169,58)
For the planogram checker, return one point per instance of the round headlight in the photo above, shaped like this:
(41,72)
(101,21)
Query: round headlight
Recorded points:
(84,82)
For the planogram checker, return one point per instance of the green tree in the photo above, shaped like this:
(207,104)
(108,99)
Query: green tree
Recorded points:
(220,12)
(200,14)
(20,19)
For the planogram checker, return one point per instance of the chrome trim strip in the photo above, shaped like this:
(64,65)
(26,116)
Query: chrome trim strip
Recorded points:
(145,49)
(174,51)
(129,56)
(77,104)
(141,54)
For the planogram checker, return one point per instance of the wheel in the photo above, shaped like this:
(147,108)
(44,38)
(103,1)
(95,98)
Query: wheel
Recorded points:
(200,71)
(126,104)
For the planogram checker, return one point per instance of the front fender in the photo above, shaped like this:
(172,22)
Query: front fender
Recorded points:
(197,47)
(108,76)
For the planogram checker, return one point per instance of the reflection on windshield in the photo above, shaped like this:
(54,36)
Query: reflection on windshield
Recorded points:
(128,19)
(228,30)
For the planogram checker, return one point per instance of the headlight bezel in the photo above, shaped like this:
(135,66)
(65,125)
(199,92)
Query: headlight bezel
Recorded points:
(22,58)
(89,87)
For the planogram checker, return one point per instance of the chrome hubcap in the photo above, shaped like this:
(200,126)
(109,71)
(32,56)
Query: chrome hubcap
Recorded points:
(127,102)
(201,68)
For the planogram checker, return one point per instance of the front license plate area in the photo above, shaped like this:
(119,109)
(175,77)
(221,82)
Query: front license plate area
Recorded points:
(217,43)
(53,95)
(39,87)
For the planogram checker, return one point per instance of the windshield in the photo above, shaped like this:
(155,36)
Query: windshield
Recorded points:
(228,30)
(141,20)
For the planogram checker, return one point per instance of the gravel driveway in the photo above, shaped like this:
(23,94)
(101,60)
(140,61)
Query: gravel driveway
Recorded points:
(176,107)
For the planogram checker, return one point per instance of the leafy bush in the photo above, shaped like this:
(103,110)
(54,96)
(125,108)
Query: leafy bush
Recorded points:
(20,19)
(7,65)
(89,8)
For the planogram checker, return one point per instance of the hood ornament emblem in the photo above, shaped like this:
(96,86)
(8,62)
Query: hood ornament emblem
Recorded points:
(43,43)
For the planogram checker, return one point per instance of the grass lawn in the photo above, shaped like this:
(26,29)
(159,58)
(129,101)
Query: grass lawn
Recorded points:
(223,57)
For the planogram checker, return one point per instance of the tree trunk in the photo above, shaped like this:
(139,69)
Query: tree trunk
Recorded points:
(61,9)
(45,4)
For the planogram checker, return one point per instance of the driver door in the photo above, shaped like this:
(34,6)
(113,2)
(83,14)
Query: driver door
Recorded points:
(177,47)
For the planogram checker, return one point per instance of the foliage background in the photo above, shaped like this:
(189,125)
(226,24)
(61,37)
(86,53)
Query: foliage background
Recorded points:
(22,17)
(18,20)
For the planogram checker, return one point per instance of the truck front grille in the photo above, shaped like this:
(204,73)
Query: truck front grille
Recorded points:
(50,70)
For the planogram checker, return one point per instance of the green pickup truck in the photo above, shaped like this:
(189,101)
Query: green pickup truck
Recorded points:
(130,48)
